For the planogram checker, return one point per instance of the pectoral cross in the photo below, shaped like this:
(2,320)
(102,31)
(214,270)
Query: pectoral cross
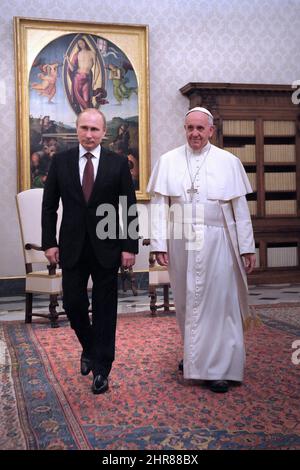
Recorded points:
(192,190)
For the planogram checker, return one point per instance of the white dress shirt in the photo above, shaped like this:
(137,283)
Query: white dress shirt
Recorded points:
(82,160)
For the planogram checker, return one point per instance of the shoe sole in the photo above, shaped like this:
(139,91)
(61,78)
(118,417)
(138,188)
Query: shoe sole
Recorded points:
(218,390)
(100,391)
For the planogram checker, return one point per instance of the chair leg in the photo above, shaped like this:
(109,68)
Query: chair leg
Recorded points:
(53,315)
(123,278)
(153,299)
(132,282)
(166,299)
(28,307)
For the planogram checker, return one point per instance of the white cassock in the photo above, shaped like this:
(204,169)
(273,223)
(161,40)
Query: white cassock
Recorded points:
(207,274)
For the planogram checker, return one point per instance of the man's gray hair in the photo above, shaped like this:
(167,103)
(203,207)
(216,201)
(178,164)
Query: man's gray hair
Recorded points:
(94,110)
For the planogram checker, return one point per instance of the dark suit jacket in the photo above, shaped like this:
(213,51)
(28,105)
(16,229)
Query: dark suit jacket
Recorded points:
(113,180)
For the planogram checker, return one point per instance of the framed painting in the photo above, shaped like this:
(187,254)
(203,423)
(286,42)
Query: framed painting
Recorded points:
(65,67)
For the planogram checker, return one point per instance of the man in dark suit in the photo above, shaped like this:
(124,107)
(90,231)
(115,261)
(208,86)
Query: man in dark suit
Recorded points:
(90,181)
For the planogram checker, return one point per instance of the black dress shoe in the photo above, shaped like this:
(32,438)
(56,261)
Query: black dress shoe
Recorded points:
(180,365)
(100,384)
(219,386)
(85,365)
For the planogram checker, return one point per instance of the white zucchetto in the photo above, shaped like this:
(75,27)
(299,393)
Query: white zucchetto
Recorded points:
(198,108)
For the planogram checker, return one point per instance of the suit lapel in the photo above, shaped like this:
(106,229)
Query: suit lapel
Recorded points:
(102,172)
(73,161)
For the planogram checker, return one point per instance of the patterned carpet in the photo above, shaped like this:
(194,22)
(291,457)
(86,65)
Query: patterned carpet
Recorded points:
(46,404)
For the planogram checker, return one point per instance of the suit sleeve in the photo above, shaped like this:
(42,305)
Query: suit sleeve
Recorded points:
(130,230)
(49,207)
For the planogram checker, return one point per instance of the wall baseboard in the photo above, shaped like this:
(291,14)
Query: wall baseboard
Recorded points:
(12,286)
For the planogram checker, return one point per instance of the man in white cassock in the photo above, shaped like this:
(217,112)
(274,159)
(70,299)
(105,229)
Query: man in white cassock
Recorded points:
(202,231)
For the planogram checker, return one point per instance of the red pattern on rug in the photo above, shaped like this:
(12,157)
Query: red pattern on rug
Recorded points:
(149,405)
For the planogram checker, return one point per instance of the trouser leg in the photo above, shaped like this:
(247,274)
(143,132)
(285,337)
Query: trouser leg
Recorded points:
(76,304)
(98,339)
(104,318)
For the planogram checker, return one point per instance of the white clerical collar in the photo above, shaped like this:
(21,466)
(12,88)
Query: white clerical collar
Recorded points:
(95,152)
(199,152)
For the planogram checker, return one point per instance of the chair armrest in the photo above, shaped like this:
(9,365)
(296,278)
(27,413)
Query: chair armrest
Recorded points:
(32,246)
(51,269)
(152,260)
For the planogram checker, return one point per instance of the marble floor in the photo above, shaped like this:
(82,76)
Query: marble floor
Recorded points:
(12,308)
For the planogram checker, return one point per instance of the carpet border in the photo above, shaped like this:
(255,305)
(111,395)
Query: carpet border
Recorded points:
(29,435)
(71,421)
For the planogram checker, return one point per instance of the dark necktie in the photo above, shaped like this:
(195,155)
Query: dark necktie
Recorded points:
(88,177)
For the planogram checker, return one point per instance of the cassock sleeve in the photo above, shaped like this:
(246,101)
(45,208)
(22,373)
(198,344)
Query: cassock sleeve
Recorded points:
(243,225)
(159,210)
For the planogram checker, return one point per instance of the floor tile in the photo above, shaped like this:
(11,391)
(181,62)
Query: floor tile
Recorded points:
(12,308)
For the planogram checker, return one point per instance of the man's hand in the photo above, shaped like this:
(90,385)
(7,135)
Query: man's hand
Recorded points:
(249,262)
(127,259)
(162,258)
(52,255)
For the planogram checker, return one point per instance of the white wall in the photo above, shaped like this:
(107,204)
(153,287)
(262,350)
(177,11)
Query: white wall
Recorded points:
(250,41)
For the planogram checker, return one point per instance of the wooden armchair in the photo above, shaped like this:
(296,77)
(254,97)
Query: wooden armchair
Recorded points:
(158,277)
(46,281)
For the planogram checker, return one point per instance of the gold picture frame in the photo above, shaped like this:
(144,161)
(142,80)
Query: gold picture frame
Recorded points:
(54,83)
